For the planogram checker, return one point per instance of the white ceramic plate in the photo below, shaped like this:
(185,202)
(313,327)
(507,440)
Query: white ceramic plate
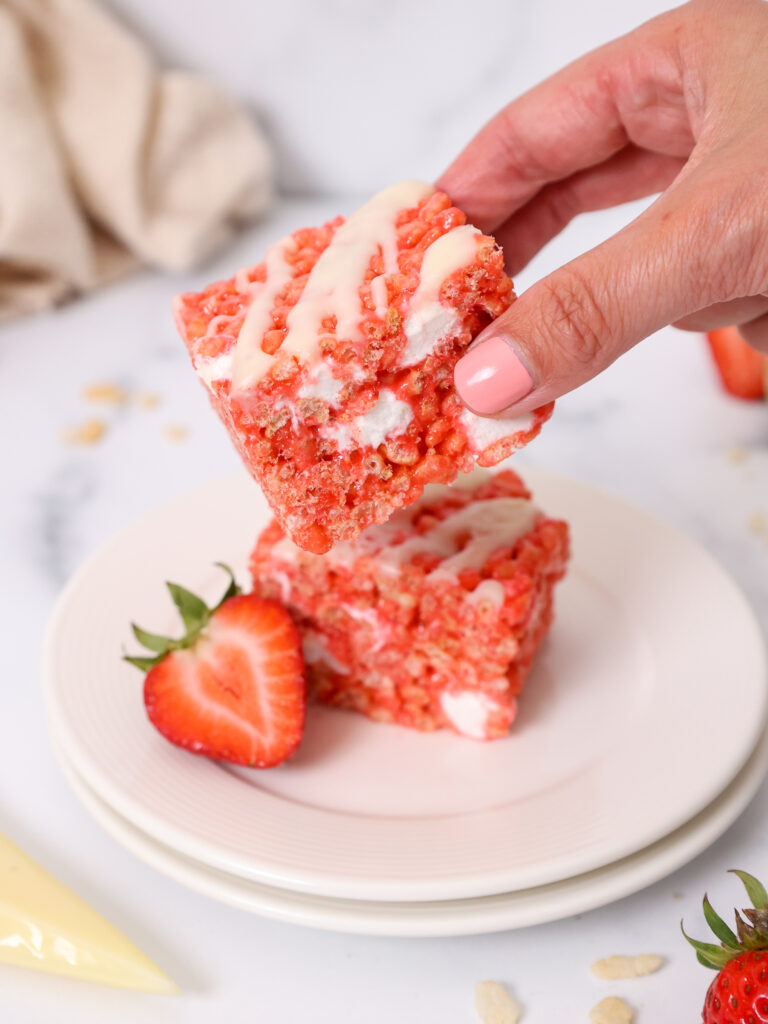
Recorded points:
(612,749)
(451,917)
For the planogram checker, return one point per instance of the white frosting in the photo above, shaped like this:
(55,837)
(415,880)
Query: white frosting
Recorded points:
(214,369)
(332,289)
(315,651)
(243,283)
(488,590)
(216,322)
(468,712)
(341,433)
(389,417)
(251,362)
(429,321)
(488,524)
(333,286)
(484,431)
(379,295)
(379,630)
(322,384)
(283,581)
(425,328)
(285,403)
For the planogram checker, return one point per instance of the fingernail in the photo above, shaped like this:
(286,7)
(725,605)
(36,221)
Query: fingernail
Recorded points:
(491,377)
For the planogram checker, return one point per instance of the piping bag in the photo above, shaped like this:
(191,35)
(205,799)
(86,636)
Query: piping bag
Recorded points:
(45,926)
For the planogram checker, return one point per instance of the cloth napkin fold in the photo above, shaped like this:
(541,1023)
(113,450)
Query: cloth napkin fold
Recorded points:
(106,161)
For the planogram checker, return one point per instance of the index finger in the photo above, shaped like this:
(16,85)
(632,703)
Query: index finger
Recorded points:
(628,91)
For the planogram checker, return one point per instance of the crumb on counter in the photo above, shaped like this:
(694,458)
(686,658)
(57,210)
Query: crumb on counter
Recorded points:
(105,392)
(176,432)
(90,432)
(148,399)
(757,523)
(611,1010)
(494,1005)
(737,455)
(620,968)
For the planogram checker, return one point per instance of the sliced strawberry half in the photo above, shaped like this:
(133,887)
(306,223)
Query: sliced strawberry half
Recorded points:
(742,369)
(233,687)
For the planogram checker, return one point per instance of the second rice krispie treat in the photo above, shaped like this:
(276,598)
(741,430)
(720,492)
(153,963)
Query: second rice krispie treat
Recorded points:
(433,618)
(331,363)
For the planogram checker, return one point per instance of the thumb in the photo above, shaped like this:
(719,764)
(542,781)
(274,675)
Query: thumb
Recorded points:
(570,326)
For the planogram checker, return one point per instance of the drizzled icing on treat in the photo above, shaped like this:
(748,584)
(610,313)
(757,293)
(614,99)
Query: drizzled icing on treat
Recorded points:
(250,361)
(483,526)
(463,540)
(430,321)
(332,289)
(488,590)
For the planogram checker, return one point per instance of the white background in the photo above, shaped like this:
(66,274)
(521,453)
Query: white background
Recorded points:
(361,93)
(357,95)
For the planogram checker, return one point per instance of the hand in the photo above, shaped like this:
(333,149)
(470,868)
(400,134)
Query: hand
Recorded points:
(680,106)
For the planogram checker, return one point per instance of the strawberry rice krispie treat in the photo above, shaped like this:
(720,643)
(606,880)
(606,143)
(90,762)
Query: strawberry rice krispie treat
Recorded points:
(331,363)
(433,618)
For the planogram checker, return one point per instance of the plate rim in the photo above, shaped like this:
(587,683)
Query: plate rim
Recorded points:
(425,919)
(132,809)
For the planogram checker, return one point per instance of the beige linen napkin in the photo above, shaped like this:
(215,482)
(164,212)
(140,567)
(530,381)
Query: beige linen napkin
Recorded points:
(105,161)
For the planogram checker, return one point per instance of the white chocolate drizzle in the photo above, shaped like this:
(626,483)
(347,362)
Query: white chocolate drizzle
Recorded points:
(333,286)
(250,361)
(483,525)
(429,321)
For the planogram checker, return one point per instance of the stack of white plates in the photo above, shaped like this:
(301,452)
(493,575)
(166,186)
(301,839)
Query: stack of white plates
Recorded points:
(617,771)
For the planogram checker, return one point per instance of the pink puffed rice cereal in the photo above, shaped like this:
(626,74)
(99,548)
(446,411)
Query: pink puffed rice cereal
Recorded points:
(331,363)
(433,619)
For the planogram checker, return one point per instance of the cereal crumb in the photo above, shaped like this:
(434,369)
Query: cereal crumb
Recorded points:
(148,399)
(737,454)
(757,523)
(494,1005)
(619,968)
(106,392)
(611,1010)
(90,432)
(677,895)
(176,432)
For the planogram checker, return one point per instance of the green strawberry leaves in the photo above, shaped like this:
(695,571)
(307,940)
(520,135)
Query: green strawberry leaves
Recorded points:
(193,610)
(145,664)
(755,889)
(751,927)
(232,590)
(151,641)
(195,615)
(719,927)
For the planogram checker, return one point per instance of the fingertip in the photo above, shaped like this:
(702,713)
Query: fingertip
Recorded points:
(492,376)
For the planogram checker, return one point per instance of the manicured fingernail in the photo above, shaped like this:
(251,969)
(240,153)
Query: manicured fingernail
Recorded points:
(491,377)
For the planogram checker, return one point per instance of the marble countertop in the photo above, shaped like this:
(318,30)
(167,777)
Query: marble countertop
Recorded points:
(654,428)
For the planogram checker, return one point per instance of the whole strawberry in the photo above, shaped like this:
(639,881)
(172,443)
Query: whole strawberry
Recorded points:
(739,992)
(232,687)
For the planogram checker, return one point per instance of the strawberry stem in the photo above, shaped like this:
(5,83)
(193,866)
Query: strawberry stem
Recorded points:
(195,614)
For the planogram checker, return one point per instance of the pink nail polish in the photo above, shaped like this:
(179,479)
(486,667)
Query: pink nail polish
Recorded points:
(491,377)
